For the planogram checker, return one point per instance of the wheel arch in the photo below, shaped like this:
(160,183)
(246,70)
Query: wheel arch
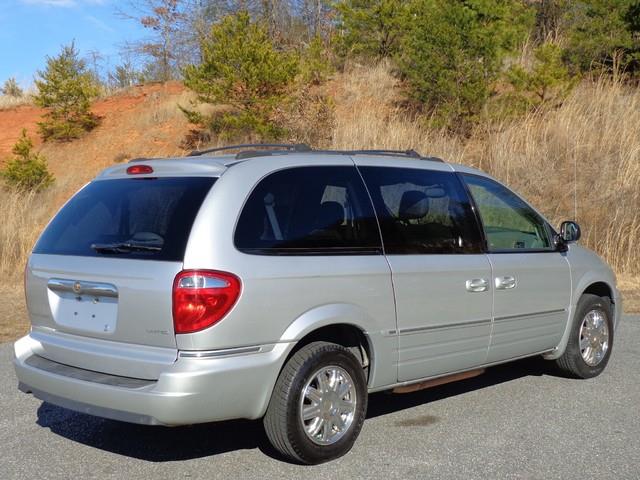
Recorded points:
(341,323)
(594,285)
(346,334)
(599,288)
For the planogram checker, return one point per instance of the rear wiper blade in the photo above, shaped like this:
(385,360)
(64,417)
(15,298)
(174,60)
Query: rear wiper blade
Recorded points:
(124,247)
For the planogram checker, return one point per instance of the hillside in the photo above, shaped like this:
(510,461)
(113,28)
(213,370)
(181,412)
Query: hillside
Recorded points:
(142,121)
(585,154)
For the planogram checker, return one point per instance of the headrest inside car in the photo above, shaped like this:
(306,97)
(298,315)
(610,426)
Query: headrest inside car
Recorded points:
(330,214)
(435,192)
(413,204)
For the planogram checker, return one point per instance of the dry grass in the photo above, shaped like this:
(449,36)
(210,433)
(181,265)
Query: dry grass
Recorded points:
(13,314)
(630,288)
(580,161)
(7,101)
(22,216)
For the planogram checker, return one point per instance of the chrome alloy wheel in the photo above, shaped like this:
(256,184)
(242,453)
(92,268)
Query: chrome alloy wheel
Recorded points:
(328,405)
(594,337)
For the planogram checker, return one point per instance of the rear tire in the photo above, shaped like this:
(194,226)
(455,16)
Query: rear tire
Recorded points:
(322,387)
(591,338)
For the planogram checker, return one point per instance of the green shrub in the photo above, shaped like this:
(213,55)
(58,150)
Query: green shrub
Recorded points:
(547,82)
(603,34)
(66,88)
(453,53)
(11,88)
(315,64)
(27,170)
(371,28)
(241,68)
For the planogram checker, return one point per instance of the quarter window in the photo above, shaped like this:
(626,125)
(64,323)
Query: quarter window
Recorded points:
(309,211)
(509,223)
(422,211)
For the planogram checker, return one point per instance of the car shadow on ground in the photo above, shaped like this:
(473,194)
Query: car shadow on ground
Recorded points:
(162,444)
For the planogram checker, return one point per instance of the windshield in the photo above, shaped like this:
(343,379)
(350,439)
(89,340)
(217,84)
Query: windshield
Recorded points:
(143,218)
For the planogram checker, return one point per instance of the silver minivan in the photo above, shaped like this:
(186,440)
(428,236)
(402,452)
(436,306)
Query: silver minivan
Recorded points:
(288,284)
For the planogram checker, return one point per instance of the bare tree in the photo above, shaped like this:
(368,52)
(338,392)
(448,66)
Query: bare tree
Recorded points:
(165,19)
(318,16)
(95,60)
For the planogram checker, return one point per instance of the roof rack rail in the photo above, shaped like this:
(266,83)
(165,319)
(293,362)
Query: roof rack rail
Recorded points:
(408,153)
(296,147)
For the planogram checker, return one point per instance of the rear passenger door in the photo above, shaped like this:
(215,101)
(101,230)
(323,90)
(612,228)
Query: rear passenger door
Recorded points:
(310,254)
(441,277)
(531,279)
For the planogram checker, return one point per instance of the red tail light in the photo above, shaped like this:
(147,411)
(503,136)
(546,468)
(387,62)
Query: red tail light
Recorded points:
(139,169)
(201,298)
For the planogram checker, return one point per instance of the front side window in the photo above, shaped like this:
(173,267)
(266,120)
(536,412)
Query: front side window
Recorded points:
(422,211)
(509,223)
(309,211)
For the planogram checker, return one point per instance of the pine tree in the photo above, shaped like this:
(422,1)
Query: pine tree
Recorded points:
(241,68)
(315,65)
(11,88)
(66,88)
(454,51)
(603,34)
(548,80)
(371,28)
(27,170)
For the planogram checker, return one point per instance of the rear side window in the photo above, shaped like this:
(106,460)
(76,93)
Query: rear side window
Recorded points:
(309,211)
(143,218)
(422,211)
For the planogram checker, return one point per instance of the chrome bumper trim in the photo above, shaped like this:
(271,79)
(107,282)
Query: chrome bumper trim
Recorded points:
(220,353)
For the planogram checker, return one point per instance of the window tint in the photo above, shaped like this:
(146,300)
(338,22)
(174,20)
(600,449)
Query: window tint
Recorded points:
(509,223)
(154,214)
(422,211)
(309,210)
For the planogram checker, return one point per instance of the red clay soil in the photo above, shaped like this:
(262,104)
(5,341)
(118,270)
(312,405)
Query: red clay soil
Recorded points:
(13,120)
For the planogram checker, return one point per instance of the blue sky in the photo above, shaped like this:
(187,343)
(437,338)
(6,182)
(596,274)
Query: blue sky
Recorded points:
(32,29)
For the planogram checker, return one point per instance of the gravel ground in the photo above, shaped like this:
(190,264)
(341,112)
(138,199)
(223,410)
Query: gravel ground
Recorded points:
(516,421)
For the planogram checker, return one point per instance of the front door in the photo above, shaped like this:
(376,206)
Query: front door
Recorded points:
(441,277)
(531,279)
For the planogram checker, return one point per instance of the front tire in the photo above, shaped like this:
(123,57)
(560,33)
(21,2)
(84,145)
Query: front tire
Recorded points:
(318,405)
(591,338)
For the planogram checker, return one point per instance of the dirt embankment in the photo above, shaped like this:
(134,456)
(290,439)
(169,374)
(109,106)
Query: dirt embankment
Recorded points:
(146,112)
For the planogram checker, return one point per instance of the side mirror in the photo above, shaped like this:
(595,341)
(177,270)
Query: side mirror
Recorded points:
(570,232)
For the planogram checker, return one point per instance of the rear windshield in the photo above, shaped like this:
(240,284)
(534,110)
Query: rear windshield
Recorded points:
(142,218)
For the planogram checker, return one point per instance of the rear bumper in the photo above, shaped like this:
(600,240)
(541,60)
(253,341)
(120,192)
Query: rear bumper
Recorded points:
(224,386)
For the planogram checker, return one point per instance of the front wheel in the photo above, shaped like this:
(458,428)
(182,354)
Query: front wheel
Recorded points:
(318,404)
(590,340)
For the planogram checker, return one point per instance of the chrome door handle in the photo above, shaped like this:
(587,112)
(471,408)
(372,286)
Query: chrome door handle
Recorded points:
(93,289)
(505,283)
(477,285)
